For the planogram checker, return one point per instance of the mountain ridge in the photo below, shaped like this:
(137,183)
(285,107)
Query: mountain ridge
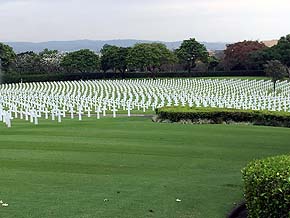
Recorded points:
(96,45)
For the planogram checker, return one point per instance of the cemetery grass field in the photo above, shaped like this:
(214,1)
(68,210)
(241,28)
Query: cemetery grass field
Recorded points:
(128,167)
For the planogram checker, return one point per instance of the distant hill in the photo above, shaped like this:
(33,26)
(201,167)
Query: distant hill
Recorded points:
(96,45)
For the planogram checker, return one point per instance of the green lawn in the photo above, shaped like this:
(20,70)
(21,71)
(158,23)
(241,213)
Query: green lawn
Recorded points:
(67,170)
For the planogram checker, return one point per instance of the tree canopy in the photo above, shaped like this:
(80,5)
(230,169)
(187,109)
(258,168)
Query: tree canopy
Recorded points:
(190,51)
(281,51)
(248,57)
(149,56)
(28,63)
(84,61)
(47,52)
(238,55)
(109,55)
(213,62)
(276,70)
(121,61)
(7,56)
(114,58)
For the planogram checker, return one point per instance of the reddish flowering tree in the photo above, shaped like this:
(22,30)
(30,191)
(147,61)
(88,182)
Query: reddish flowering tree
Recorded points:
(238,55)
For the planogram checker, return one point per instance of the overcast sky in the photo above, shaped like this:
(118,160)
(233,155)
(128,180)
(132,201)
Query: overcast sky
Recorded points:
(167,20)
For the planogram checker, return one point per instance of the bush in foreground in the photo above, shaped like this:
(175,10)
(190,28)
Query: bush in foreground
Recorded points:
(267,187)
(222,115)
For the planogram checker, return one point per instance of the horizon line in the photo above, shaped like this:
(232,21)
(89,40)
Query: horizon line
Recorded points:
(103,40)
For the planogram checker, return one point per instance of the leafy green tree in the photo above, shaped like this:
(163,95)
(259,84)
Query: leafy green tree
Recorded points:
(149,57)
(281,52)
(191,51)
(83,61)
(7,56)
(109,54)
(276,70)
(47,52)
(259,58)
(141,57)
(114,58)
(121,62)
(165,56)
(213,62)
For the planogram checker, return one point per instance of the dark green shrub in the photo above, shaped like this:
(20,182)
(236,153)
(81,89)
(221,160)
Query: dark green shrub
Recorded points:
(220,115)
(267,187)
(13,77)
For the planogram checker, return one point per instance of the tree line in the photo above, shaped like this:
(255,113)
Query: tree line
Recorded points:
(153,58)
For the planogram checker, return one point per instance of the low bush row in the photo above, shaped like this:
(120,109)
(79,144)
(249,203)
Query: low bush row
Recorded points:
(12,77)
(220,115)
(267,187)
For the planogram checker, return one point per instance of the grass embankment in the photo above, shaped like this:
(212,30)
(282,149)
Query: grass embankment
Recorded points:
(67,170)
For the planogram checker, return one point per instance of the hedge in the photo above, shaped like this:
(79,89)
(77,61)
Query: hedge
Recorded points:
(12,77)
(267,187)
(221,115)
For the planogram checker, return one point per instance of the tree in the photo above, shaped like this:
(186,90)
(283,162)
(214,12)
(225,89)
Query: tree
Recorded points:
(213,62)
(108,55)
(51,60)
(121,62)
(276,70)
(259,58)
(83,61)
(33,63)
(190,51)
(47,52)
(7,56)
(28,63)
(238,55)
(114,58)
(149,57)
(281,52)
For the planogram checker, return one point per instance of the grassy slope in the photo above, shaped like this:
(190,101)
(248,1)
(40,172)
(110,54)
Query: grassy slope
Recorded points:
(68,170)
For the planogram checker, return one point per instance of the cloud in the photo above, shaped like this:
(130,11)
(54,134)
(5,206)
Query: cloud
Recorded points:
(13,1)
(211,20)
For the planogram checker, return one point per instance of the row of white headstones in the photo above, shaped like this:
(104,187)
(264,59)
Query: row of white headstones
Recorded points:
(56,100)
